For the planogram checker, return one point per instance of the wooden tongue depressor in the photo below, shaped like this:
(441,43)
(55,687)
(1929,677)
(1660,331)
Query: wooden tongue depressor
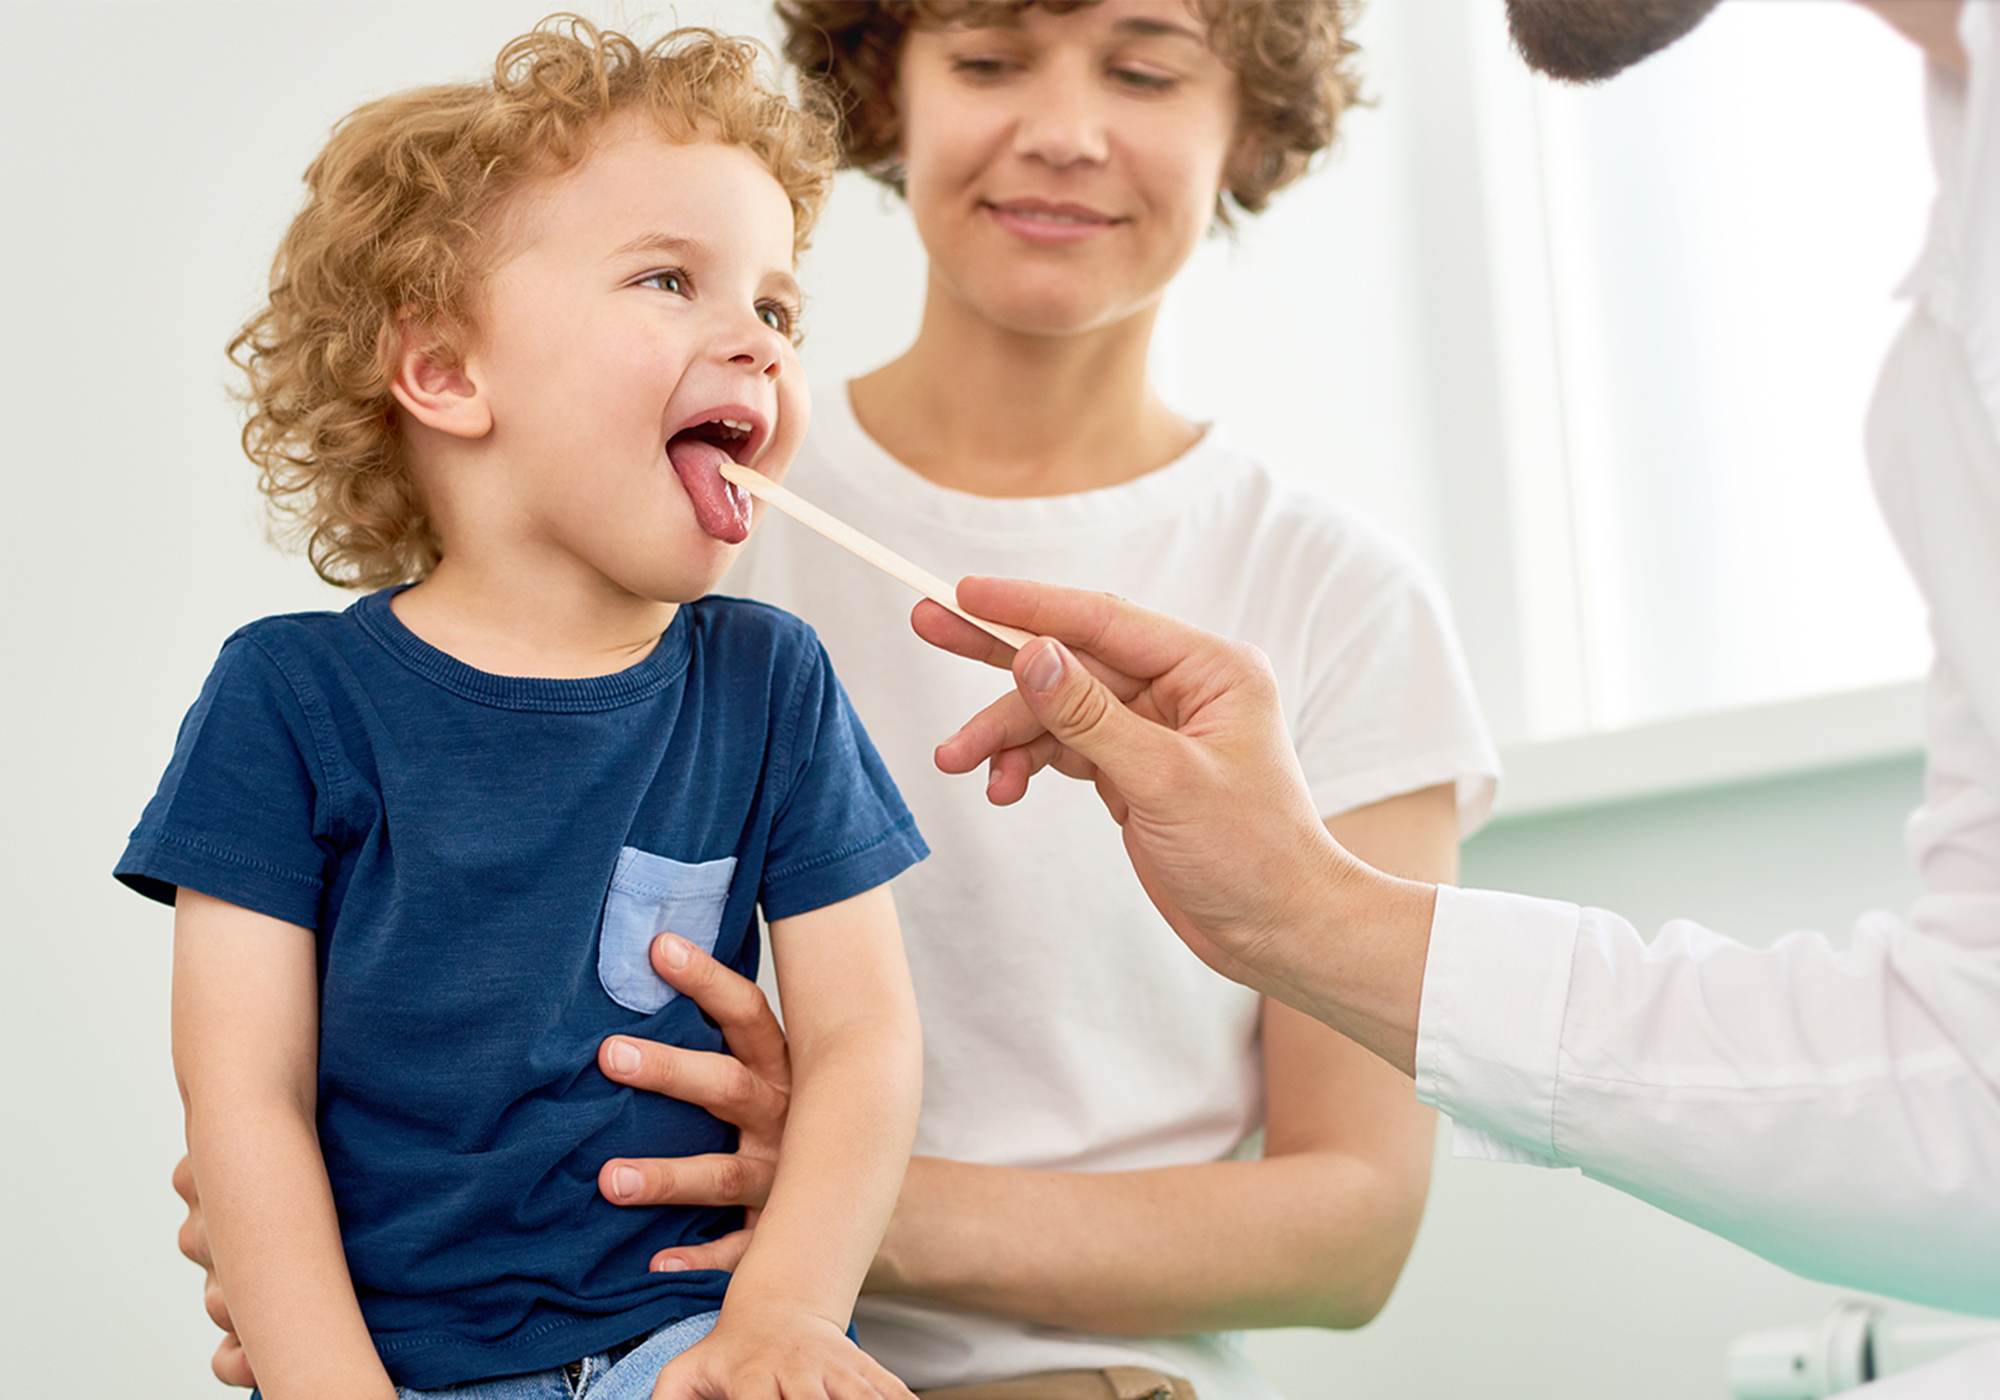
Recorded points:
(852,540)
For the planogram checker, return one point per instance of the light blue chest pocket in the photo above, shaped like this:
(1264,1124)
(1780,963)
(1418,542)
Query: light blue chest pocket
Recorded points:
(651,895)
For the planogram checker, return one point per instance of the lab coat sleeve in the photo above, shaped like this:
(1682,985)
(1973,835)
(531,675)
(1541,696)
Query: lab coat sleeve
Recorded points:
(1974,216)
(1834,1110)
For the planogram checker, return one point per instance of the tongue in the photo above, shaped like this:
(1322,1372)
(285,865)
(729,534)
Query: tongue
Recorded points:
(722,509)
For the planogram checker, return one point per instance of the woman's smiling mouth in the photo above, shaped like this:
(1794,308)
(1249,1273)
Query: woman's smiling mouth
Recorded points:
(1050,221)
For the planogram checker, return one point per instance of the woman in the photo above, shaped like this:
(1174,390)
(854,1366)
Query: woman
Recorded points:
(1086,1083)
(1081,1197)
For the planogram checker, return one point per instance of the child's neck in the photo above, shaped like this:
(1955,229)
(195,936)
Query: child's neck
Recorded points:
(512,627)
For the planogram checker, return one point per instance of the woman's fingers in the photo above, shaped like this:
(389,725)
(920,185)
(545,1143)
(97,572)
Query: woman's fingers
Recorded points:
(230,1365)
(732,1001)
(748,1088)
(716,1179)
(724,1253)
(193,1237)
(722,1084)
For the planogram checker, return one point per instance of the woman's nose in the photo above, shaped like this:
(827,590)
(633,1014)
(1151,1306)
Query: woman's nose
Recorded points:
(1062,119)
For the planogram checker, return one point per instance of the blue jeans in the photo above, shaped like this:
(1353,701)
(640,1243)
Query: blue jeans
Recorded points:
(623,1373)
(609,1375)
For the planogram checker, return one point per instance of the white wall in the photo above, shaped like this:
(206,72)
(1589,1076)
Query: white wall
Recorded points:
(153,157)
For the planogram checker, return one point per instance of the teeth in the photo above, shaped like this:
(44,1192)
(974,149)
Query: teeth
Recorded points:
(734,424)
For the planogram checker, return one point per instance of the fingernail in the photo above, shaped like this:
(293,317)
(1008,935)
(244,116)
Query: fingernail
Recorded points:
(624,1056)
(992,775)
(1045,669)
(625,1182)
(673,951)
(668,1266)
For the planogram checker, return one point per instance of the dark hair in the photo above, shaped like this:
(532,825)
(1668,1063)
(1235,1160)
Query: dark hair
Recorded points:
(1587,41)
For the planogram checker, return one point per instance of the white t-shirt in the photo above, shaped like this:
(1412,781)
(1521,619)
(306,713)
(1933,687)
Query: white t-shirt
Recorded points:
(1836,1110)
(1064,1025)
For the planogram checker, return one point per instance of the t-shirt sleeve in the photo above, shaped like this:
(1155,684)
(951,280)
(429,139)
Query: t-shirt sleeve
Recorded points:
(236,812)
(1387,706)
(843,827)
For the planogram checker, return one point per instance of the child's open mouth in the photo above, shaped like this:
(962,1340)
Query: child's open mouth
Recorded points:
(697,451)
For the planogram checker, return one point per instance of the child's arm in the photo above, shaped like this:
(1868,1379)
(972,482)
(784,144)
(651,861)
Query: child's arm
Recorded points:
(246,1045)
(857,1069)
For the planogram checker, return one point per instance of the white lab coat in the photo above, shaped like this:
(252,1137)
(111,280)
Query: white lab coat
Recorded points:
(1837,1111)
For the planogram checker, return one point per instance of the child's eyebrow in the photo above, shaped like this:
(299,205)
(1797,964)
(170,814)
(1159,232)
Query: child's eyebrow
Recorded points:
(667,243)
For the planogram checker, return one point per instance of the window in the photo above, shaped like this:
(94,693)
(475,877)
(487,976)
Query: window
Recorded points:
(1692,270)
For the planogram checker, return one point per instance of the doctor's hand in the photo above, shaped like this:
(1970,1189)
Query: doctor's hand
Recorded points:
(749,1088)
(230,1365)
(1182,733)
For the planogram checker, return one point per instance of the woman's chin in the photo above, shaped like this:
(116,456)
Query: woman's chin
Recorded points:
(1061,312)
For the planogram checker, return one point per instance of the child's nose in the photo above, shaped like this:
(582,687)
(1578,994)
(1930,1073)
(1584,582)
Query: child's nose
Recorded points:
(756,346)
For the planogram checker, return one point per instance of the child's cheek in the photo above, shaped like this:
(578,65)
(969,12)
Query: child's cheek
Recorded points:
(794,414)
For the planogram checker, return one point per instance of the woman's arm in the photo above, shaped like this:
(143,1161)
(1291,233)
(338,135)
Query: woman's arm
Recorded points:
(857,1068)
(245,1029)
(1313,1233)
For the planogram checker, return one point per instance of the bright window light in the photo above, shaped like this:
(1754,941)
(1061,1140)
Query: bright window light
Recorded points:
(1697,288)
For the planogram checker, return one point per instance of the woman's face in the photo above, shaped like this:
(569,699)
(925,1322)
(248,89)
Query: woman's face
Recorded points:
(1061,168)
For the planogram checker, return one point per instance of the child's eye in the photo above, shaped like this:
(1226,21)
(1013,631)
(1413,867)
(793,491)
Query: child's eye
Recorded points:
(671,280)
(779,317)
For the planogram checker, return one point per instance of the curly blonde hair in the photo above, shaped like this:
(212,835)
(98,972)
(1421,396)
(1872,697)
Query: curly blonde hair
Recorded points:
(400,223)
(1293,61)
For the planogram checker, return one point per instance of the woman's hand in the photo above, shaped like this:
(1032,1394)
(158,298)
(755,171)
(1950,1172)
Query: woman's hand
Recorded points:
(230,1365)
(750,1088)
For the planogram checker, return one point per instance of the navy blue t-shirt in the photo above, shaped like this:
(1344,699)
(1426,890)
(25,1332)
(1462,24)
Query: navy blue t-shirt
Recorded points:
(485,859)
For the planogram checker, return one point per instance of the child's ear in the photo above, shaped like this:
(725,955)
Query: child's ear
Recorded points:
(435,387)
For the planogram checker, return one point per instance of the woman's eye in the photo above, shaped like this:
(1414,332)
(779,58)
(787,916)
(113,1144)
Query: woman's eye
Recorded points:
(672,280)
(978,66)
(1143,80)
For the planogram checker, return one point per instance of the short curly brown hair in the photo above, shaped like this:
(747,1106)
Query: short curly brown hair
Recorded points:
(1293,61)
(401,222)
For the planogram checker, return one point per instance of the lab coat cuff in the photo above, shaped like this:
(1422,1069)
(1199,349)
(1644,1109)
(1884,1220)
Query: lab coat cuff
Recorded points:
(1489,1027)
(1484,1147)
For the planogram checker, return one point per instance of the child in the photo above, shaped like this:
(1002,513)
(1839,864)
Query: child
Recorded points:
(418,849)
